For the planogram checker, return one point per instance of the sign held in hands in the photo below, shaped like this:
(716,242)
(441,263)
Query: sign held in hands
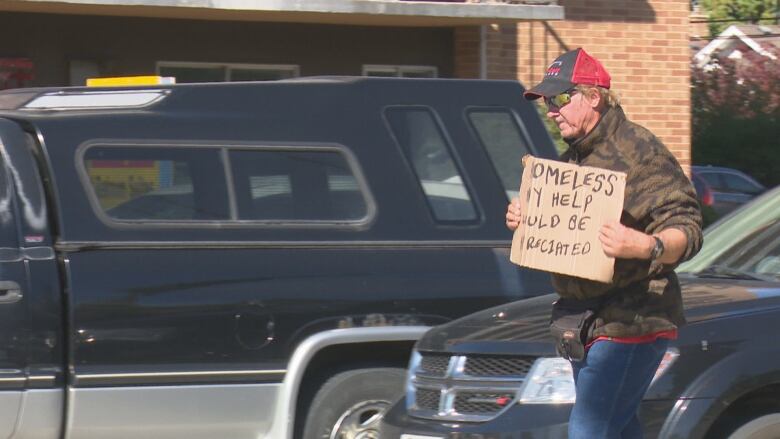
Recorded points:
(563,206)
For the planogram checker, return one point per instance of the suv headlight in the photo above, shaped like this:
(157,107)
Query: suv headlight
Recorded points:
(550,380)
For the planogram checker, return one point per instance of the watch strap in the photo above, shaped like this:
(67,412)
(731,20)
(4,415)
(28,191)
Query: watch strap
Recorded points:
(658,249)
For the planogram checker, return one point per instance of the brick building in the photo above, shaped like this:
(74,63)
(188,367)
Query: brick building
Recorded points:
(644,43)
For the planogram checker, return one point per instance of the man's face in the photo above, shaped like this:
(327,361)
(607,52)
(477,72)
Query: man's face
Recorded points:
(575,118)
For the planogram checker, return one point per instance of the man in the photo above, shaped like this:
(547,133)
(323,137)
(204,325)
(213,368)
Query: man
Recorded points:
(660,227)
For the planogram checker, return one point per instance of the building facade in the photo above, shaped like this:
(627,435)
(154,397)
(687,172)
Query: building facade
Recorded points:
(643,43)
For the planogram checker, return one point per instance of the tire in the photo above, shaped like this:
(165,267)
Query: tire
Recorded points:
(763,427)
(350,404)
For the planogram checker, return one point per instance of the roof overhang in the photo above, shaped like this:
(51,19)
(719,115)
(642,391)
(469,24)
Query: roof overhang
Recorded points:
(347,12)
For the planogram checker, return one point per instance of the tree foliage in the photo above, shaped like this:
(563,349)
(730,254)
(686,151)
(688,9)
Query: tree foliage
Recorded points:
(736,115)
(737,11)
(552,128)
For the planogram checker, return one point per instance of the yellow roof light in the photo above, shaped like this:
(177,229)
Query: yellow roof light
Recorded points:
(130,80)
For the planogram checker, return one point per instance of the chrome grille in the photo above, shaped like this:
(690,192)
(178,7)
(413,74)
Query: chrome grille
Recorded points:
(427,399)
(465,388)
(435,365)
(482,402)
(496,366)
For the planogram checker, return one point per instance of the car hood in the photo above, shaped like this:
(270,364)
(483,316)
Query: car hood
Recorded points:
(523,326)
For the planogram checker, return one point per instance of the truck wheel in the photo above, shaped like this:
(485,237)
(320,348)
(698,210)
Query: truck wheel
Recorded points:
(763,427)
(350,404)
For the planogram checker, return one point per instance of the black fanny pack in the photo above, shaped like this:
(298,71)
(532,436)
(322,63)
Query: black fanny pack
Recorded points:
(571,326)
(572,320)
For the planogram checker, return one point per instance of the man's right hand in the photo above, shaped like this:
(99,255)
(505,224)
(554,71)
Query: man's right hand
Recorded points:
(513,214)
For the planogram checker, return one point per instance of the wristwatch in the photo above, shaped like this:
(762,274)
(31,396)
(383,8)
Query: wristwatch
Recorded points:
(658,249)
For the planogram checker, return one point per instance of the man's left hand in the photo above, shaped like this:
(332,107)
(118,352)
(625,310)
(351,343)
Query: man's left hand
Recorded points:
(619,241)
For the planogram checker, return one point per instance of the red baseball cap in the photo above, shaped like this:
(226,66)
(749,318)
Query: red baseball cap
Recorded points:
(568,70)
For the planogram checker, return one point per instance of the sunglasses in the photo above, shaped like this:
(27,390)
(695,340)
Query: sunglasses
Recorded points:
(560,100)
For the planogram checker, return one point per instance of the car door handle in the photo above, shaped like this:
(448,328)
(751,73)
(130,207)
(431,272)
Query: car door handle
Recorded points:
(10,292)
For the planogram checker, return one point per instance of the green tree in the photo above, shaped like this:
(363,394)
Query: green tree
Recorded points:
(555,133)
(738,11)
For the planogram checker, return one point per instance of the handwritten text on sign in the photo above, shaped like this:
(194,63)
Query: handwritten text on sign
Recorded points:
(563,207)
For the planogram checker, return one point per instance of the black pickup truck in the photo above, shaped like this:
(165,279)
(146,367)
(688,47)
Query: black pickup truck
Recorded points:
(246,260)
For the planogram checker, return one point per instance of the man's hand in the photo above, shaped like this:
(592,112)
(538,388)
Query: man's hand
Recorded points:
(513,214)
(624,242)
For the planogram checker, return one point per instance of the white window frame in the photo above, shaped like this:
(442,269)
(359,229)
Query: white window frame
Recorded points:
(294,68)
(399,70)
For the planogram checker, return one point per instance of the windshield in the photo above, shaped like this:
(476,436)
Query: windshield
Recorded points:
(745,243)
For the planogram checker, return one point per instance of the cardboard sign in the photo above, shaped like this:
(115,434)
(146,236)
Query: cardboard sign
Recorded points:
(563,207)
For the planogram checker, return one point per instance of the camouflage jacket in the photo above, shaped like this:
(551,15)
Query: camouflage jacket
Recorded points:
(644,297)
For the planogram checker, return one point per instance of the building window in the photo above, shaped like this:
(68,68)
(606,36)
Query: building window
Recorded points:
(185,72)
(16,72)
(400,71)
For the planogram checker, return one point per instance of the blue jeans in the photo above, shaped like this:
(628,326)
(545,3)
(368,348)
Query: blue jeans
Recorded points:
(610,384)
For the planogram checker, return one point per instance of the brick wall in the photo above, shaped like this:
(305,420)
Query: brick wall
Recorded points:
(644,45)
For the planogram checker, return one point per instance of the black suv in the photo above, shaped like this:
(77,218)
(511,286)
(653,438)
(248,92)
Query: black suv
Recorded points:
(494,374)
(245,260)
